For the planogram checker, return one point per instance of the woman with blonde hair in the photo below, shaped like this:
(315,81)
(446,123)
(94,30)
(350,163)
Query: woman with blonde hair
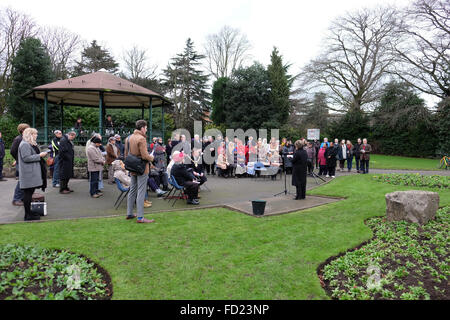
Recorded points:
(32,169)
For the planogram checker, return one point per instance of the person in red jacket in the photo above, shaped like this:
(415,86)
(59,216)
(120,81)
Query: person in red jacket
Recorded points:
(322,160)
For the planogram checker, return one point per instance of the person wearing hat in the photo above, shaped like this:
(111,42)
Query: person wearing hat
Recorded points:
(95,166)
(112,153)
(185,178)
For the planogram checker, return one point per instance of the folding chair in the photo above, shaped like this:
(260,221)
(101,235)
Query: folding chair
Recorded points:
(175,187)
(123,193)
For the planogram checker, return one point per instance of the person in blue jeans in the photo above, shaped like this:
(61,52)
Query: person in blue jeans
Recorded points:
(55,147)
(365,150)
(349,155)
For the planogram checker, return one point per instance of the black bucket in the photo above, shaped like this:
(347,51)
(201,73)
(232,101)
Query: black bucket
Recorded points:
(258,207)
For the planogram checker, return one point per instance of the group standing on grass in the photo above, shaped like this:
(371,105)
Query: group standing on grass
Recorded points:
(329,153)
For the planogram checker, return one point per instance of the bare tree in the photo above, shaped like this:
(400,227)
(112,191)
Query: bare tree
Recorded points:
(355,60)
(61,45)
(226,51)
(137,67)
(14,27)
(423,55)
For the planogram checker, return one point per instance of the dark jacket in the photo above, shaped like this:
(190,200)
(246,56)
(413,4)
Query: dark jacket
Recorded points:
(66,157)
(330,156)
(55,146)
(2,149)
(15,147)
(287,161)
(181,174)
(356,151)
(299,167)
(121,148)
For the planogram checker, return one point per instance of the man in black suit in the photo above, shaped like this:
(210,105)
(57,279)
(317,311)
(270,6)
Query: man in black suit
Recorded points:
(185,178)
(299,168)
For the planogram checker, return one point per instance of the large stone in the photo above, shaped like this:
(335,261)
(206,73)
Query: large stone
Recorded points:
(413,206)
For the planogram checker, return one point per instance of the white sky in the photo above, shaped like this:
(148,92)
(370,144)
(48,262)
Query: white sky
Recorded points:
(162,27)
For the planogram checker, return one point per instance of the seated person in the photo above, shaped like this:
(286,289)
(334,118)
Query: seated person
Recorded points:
(274,160)
(154,186)
(197,168)
(222,165)
(120,173)
(185,178)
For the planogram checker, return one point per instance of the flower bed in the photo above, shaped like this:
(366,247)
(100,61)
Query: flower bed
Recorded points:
(43,274)
(416,180)
(403,261)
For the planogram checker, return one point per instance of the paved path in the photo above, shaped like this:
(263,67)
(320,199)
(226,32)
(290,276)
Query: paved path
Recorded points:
(236,193)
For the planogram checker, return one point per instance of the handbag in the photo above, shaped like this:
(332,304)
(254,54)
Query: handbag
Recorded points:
(39,208)
(50,161)
(135,164)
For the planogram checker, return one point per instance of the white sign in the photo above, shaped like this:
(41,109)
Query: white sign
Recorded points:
(313,134)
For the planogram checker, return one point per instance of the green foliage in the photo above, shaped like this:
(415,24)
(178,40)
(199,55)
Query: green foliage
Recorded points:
(443,127)
(280,90)
(317,112)
(404,257)
(35,273)
(416,180)
(218,105)
(187,85)
(8,128)
(402,125)
(31,67)
(94,58)
(353,125)
(248,100)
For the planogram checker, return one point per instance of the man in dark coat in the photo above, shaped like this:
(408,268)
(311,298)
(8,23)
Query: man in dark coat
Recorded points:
(299,168)
(185,179)
(2,155)
(66,157)
(357,153)
(330,156)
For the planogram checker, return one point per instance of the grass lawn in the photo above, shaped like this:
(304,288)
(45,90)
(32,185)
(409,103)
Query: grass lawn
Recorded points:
(378,161)
(217,253)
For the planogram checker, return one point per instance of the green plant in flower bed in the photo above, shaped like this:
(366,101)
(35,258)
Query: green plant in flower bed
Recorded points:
(35,273)
(403,261)
(416,180)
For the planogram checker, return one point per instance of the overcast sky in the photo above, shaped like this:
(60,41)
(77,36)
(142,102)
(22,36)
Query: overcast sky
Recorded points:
(162,27)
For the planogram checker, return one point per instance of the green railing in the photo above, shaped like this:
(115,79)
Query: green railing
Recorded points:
(85,133)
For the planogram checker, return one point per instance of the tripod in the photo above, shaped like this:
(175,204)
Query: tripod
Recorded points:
(315,176)
(285,185)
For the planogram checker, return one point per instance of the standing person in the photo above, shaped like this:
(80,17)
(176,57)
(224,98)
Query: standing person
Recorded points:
(288,150)
(349,155)
(95,166)
(112,154)
(210,149)
(31,169)
(342,155)
(2,155)
(66,157)
(357,153)
(330,156)
(299,166)
(325,141)
(136,144)
(365,150)
(55,147)
(322,160)
(317,148)
(18,193)
(311,151)
(119,145)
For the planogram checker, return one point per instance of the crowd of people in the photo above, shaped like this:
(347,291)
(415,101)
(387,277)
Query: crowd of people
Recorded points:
(182,162)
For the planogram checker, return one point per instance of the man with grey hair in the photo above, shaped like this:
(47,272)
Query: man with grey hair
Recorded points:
(66,157)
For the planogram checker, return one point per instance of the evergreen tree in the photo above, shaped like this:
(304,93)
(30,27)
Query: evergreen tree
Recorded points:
(187,86)
(317,112)
(218,114)
(443,127)
(94,58)
(353,125)
(402,125)
(248,102)
(31,67)
(280,84)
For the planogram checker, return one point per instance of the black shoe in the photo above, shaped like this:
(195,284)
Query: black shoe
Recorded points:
(193,201)
(32,217)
